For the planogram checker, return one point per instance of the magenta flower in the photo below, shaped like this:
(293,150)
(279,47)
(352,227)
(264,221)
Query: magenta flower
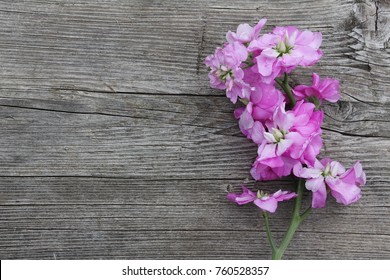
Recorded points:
(326,89)
(307,123)
(245,33)
(264,172)
(263,101)
(273,151)
(265,98)
(266,202)
(249,127)
(287,138)
(331,175)
(284,49)
(225,71)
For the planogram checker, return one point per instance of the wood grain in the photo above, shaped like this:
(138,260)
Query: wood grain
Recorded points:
(114,146)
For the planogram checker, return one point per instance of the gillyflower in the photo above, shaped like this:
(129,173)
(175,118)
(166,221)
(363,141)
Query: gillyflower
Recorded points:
(287,138)
(266,202)
(276,140)
(307,122)
(225,71)
(245,33)
(284,49)
(262,103)
(265,172)
(326,89)
(249,127)
(331,175)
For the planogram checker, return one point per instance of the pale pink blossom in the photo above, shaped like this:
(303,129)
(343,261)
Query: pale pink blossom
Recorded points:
(284,49)
(262,103)
(226,73)
(266,202)
(307,122)
(326,89)
(331,175)
(289,137)
(245,33)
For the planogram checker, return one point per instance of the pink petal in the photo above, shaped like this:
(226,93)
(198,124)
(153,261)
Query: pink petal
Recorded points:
(246,121)
(269,137)
(245,197)
(231,37)
(283,195)
(285,170)
(307,173)
(315,79)
(283,145)
(257,133)
(319,198)
(336,168)
(283,119)
(268,205)
(343,192)
(262,172)
(315,184)
(264,64)
(244,32)
(267,151)
(354,175)
(256,30)
(238,112)
(273,162)
(309,55)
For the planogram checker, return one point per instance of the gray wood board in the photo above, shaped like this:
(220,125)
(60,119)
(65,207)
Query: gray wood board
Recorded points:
(114,146)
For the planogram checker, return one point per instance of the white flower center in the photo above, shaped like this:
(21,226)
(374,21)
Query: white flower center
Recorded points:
(326,171)
(223,72)
(283,47)
(262,195)
(278,134)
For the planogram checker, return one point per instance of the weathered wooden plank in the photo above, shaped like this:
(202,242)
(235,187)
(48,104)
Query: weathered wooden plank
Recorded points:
(222,216)
(50,190)
(57,244)
(353,117)
(46,143)
(157,47)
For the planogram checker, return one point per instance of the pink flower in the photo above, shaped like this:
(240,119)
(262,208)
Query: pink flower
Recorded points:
(289,137)
(328,174)
(284,49)
(249,127)
(307,123)
(263,101)
(327,89)
(265,172)
(225,71)
(245,33)
(266,202)
(265,98)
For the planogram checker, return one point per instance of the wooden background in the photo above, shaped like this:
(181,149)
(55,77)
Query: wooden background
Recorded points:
(113,145)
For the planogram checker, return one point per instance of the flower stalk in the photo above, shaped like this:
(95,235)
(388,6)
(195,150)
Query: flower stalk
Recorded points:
(286,88)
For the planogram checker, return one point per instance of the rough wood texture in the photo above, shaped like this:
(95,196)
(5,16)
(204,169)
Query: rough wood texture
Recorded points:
(114,146)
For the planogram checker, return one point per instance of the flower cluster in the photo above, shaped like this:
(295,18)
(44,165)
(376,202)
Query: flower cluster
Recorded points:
(284,122)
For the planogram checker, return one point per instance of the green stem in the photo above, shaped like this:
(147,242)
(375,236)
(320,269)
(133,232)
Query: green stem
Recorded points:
(286,88)
(269,235)
(295,222)
(306,213)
